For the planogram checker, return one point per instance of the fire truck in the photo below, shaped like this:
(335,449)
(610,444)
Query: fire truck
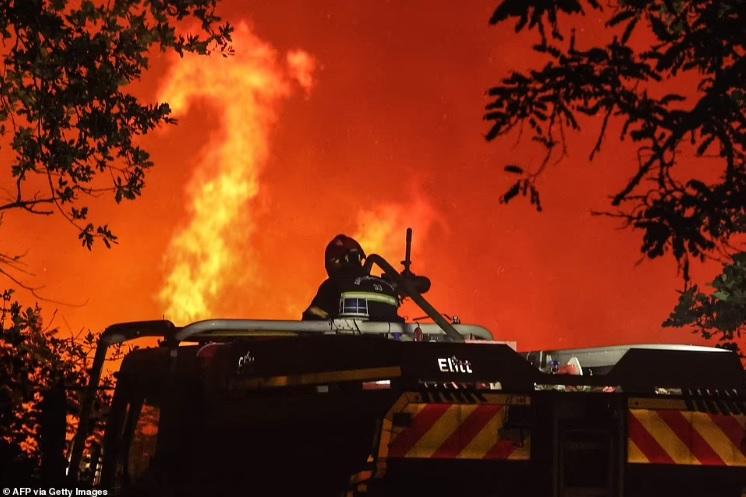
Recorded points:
(349,407)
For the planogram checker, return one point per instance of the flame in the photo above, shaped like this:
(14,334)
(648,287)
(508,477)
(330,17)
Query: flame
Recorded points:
(381,230)
(246,90)
(301,67)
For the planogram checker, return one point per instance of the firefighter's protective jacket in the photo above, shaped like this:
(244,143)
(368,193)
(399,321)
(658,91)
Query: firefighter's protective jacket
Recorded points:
(361,296)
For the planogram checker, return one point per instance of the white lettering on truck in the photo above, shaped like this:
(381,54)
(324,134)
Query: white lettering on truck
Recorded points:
(454,365)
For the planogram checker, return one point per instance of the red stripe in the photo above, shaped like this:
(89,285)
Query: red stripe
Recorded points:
(467,430)
(691,437)
(645,442)
(420,425)
(501,450)
(732,429)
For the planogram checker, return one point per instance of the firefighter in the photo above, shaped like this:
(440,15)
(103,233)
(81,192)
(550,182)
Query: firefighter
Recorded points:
(349,291)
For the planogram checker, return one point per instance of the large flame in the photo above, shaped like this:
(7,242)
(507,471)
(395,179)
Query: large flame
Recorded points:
(245,90)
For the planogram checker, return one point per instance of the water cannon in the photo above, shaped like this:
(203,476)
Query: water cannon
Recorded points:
(410,285)
(420,283)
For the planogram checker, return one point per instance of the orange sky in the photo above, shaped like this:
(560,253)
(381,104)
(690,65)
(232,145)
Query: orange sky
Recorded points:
(360,118)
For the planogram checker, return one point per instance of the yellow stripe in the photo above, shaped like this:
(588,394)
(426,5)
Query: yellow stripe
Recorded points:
(387,430)
(446,425)
(716,439)
(322,377)
(413,410)
(486,438)
(374,297)
(523,452)
(440,431)
(634,454)
(659,430)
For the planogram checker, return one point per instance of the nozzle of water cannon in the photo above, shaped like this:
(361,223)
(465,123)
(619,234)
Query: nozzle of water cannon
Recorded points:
(407,262)
(421,283)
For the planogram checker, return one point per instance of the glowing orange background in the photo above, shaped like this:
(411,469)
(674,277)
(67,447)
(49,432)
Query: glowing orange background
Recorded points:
(388,134)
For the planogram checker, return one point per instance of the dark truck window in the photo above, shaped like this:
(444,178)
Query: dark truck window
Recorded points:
(144,436)
(135,448)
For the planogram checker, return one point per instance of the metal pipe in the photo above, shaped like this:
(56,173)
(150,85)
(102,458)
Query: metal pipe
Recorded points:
(406,285)
(407,262)
(215,328)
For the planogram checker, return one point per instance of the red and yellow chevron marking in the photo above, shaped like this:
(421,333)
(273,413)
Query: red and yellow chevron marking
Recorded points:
(455,431)
(668,436)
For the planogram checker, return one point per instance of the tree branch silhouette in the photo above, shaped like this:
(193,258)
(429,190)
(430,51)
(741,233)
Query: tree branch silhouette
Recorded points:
(687,217)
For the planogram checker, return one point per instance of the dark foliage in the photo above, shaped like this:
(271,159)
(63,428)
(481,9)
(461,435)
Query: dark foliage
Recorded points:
(722,314)
(690,218)
(681,215)
(33,362)
(72,126)
(73,130)
(536,12)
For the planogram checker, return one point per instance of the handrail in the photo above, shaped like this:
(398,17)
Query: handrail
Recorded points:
(235,327)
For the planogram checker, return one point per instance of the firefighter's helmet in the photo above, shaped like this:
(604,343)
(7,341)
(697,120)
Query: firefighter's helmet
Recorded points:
(343,255)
